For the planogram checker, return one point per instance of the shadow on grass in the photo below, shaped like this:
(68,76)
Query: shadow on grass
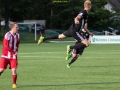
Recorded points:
(75,84)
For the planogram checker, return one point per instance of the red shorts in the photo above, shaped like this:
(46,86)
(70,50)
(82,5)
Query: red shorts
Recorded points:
(5,61)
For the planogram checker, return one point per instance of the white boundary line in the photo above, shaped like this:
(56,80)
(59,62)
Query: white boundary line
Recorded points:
(62,41)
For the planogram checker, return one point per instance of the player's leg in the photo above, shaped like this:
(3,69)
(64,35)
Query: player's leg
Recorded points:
(3,64)
(79,38)
(81,45)
(68,52)
(41,39)
(14,78)
(74,58)
(13,67)
(78,46)
(59,36)
(75,54)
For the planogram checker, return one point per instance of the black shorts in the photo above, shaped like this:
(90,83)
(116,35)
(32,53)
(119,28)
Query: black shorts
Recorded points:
(78,51)
(71,32)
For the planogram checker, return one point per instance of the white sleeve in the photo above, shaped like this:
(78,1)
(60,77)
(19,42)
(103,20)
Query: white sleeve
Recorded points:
(7,36)
(81,14)
(18,35)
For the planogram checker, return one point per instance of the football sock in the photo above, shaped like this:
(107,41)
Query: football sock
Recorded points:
(70,56)
(73,60)
(51,37)
(78,46)
(14,79)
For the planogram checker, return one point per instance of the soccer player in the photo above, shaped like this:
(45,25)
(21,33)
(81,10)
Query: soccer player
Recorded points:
(77,52)
(75,28)
(9,52)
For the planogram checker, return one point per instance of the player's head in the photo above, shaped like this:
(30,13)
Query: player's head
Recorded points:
(87,5)
(14,27)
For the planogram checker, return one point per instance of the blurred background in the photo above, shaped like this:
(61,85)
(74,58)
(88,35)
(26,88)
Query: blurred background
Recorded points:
(48,17)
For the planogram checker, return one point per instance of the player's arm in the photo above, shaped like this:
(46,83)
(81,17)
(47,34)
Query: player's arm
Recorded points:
(86,29)
(6,45)
(76,20)
(86,42)
(16,53)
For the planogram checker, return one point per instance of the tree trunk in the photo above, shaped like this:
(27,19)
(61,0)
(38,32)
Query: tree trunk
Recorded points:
(6,14)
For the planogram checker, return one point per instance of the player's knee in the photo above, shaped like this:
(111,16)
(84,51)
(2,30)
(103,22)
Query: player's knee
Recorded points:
(74,55)
(14,72)
(85,42)
(61,36)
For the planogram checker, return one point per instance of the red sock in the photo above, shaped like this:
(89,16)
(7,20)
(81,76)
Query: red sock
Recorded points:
(14,79)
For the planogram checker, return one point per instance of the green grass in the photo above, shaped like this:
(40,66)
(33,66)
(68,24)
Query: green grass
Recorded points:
(44,68)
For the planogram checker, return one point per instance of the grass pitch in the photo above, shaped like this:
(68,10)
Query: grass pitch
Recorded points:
(44,68)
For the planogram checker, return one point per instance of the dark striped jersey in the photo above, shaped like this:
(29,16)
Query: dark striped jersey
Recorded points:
(82,21)
(85,35)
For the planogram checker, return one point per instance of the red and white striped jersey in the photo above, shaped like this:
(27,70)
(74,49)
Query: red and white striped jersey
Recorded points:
(10,44)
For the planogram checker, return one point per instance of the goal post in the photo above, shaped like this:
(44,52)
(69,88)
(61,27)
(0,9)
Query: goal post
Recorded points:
(26,27)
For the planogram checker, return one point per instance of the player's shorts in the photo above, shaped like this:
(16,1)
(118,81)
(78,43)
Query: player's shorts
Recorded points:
(78,51)
(13,63)
(72,33)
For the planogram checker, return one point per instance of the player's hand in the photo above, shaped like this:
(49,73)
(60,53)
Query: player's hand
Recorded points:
(16,53)
(91,34)
(76,40)
(85,42)
(76,20)
(89,41)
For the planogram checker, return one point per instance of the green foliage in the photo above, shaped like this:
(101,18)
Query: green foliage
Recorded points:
(115,19)
(18,9)
(63,13)
(1,37)
(96,4)
(98,16)
(40,9)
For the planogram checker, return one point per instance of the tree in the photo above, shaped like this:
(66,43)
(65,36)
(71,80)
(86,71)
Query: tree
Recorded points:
(114,21)
(0,14)
(19,9)
(6,14)
(99,16)
(64,14)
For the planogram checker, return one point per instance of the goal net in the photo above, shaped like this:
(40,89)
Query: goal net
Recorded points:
(28,31)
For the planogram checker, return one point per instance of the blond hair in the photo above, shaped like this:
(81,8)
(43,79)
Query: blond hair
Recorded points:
(87,3)
(12,24)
